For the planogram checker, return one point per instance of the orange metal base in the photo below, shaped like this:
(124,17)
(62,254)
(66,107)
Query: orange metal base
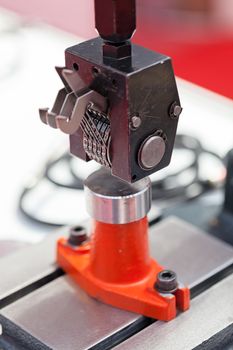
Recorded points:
(115,267)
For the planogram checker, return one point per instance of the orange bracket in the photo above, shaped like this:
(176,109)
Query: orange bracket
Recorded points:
(115,267)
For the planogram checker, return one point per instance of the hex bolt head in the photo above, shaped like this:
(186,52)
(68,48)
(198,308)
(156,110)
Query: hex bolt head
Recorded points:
(115,19)
(78,235)
(175,110)
(166,282)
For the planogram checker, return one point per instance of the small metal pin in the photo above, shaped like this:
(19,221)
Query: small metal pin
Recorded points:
(135,122)
(175,110)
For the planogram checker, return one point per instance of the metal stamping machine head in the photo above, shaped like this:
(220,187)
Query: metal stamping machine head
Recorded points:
(119,104)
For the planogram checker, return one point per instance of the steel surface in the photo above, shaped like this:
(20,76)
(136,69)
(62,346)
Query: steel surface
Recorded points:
(210,313)
(64,317)
(28,265)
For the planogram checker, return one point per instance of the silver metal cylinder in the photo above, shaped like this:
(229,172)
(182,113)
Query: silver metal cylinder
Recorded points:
(114,201)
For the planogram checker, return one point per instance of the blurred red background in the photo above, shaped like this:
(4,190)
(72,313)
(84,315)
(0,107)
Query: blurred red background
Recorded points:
(198,34)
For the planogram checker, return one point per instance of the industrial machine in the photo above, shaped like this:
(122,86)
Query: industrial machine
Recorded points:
(112,281)
(120,106)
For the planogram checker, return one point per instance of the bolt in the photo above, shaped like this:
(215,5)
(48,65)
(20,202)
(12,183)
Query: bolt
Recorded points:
(175,110)
(166,282)
(78,235)
(135,122)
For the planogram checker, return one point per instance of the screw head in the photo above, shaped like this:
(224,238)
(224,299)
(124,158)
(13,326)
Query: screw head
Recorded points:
(175,110)
(78,235)
(166,282)
(135,122)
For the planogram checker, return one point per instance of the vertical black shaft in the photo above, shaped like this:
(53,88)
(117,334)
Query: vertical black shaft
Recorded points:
(115,20)
(228,205)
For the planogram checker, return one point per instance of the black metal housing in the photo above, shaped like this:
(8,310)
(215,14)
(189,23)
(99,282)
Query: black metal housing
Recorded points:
(142,85)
